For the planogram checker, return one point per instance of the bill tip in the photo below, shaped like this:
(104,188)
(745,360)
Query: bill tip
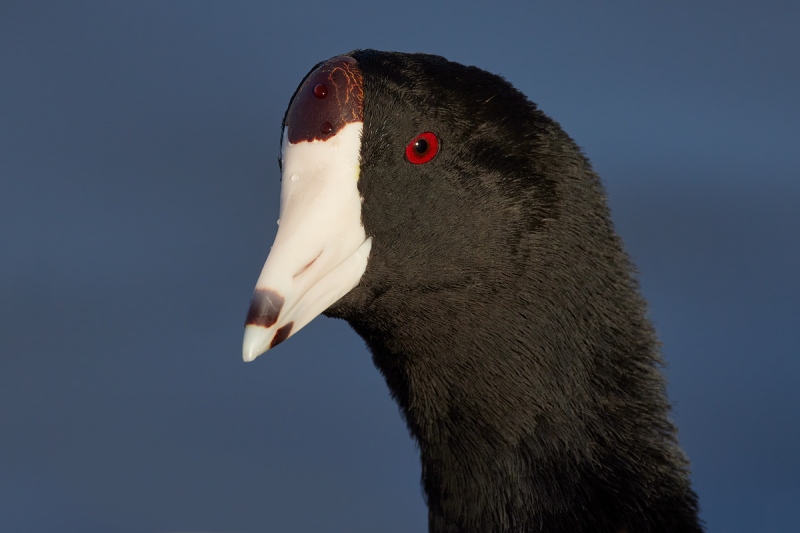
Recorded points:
(256,341)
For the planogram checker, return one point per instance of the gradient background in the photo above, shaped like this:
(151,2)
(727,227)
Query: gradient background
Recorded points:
(138,200)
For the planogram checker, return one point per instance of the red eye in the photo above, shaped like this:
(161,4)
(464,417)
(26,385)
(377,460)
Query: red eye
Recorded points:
(422,148)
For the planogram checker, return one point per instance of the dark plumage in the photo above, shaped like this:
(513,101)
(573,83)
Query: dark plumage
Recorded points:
(502,310)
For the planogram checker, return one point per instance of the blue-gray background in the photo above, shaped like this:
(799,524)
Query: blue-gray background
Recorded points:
(138,200)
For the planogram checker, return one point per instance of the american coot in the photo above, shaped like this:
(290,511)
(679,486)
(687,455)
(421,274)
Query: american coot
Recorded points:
(466,238)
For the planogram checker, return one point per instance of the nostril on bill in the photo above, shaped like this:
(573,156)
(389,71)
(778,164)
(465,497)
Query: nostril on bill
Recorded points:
(265,307)
(307,266)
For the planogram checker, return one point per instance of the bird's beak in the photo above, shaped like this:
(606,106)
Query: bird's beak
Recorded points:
(321,249)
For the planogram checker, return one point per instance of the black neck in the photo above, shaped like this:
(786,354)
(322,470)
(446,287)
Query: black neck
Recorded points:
(572,438)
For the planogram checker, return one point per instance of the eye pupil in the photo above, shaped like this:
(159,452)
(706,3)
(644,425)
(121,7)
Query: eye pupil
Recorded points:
(421,146)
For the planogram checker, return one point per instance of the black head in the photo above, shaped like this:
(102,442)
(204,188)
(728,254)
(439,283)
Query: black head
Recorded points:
(483,271)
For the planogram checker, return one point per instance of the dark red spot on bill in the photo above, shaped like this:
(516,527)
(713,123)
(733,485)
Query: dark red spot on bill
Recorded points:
(330,97)
(265,307)
(320,91)
(281,335)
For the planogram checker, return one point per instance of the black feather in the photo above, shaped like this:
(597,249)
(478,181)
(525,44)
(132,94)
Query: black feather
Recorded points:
(503,312)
